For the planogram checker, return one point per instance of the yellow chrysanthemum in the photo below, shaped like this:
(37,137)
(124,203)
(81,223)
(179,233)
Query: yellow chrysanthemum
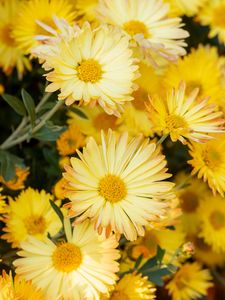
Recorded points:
(206,74)
(95,119)
(59,189)
(70,140)
(119,184)
(211,213)
(85,263)
(190,282)
(3,205)
(91,66)
(32,12)
(183,117)
(10,55)
(213,15)
(30,214)
(133,287)
(17,183)
(184,7)
(86,9)
(208,162)
(17,288)
(146,22)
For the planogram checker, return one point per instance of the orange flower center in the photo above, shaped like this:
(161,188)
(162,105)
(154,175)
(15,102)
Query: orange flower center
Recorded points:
(35,225)
(112,188)
(89,71)
(217,219)
(189,201)
(104,121)
(6,36)
(119,295)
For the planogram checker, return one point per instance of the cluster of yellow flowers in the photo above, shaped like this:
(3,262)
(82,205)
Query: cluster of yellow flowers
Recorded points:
(132,92)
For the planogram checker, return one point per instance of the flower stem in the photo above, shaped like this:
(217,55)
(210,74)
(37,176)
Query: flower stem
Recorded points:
(162,139)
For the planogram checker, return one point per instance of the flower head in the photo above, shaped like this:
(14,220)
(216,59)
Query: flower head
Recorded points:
(119,184)
(183,117)
(84,264)
(17,183)
(183,7)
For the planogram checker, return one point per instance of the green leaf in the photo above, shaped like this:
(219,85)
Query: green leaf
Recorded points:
(29,105)
(8,163)
(79,112)
(57,211)
(49,133)
(138,261)
(152,262)
(160,254)
(15,103)
(156,277)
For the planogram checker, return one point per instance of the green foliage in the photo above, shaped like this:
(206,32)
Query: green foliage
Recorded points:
(49,132)
(8,163)
(15,103)
(28,102)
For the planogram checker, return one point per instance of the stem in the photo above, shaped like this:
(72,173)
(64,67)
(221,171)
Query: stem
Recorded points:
(43,100)
(182,184)
(162,139)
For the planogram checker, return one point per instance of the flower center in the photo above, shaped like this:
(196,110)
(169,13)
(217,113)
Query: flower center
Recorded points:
(112,188)
(119,295)
(175,122)
(104,121)
(35,225)
(136,27)
(140,96)
(218,16)
(189,201)
(137,250)
(66,257)
(6,36)
(200,244)
(212,158)
(89,71)
(217,219)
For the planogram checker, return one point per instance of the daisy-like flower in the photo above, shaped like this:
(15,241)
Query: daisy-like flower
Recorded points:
(183,117)
(85,264)
(119,184)
(17,183)
(10,55)
(146,22)
(190,282)
(30,214)
(33,14)
(133,287)
(91,66)
(213,15)
(211,213)
(183,7)
(207,74)
(17,288)
(3,205)
(208,162)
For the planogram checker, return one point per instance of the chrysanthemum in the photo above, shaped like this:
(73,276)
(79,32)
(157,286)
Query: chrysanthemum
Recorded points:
(2,203)
(190,282)
(211,213)
(59,189)
(184,7)
(30,214)
(32,12)
(10,55)
(183,117)
(17,183)
(147,23)
(206,74)
(119,184)
(91,66)
(70,140)
(86,262)
(17,288)
(133,287)
(208,162)
(86,9)
(213,15)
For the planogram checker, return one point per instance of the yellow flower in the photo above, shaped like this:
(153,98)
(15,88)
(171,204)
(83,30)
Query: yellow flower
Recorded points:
(100,69)
(213,15)
(17,288)
(183,7)
(206,74)
(17,183)
(59,189)
(30,214)
(70,140)
(10,55)
(86,9)
(32,14)
(147,24)
(133,287)
(3,206)
(208,162)
(211,213)
(119,184)
(190,282)
(95,120)
(183,117)
(84,264)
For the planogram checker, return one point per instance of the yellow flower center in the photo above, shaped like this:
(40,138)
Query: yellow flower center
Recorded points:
(89,71)
(6,36)
(175,122)
(35,225)
(189,201)
(119,295)
(136,27)
(212,158)
(218,16)
(201,245)
(104,121)
(140,97)
(217,219)
(67,257)
(112,188)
